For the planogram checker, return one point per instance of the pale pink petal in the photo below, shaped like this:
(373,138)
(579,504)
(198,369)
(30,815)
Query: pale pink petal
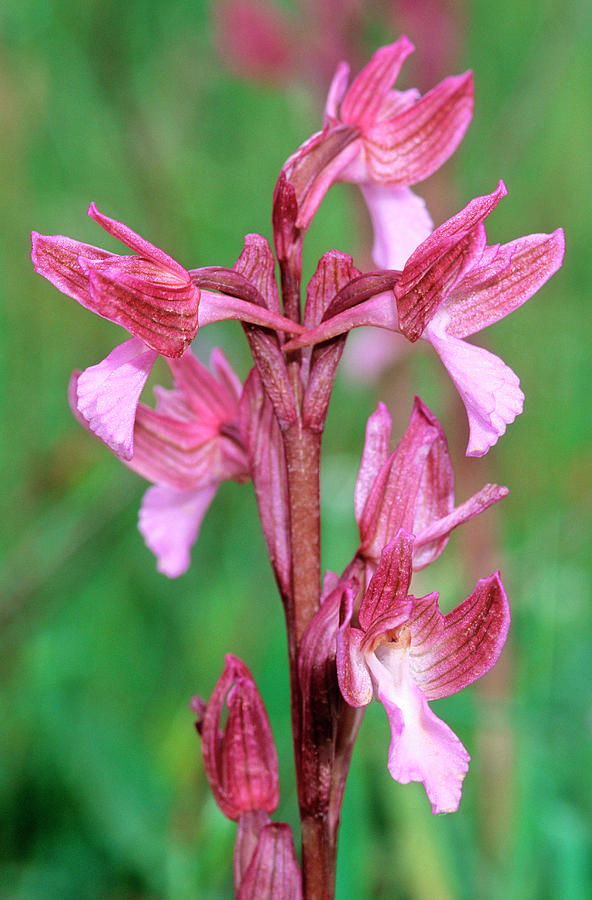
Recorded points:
(489,389)
(369,354)
(396,101)
(211,401)
(169,522)
(367,92)
(430,541)
(495,288)
(449,652)
(226,374)
(412,144)
(400,221)
(106,395)
(374,455)
(423,748)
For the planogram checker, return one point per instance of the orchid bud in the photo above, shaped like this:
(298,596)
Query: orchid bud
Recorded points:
(240,759)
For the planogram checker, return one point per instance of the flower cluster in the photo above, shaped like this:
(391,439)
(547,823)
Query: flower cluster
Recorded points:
(364,634)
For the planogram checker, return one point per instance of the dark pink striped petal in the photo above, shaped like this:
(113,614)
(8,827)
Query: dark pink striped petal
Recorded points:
(410,145)
(367,92)
(440,261)
(56,258)
(257,264)
(388,589)
(488,293)
(449,652)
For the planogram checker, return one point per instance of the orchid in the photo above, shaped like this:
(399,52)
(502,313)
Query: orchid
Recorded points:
(383,140)
(186,447)
(452,286)
(153,297)
(406,653)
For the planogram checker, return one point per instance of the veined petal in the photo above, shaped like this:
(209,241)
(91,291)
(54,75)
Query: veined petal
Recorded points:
(169,522)
(354,679)
(56,258)
(489,389)
(374,455)
(337,89)
(454,650)
(210,399)
(400,221)
(150,302)
(410,145)
(137,243)
(430,541)
(388,589)
(423,748)
(106,396)
(391,502)
(367,92)
(489,292)
(440,261)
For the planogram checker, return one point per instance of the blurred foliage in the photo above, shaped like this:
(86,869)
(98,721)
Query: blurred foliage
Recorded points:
(101,780)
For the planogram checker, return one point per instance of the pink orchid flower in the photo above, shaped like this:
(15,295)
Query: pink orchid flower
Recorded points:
(451,287)
(403,651)
(154,298)
(383,140)
(186,447)
(411,488)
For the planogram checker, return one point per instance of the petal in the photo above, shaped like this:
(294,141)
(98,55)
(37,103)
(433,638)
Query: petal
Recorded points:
(400,221)
(367,92)
(137,243)
(489,389)
(443,660)
(273,873)
(430,541)
(407,147)
(150,303)
(354,678)
(333,272)
(374,455)
(434,498)
(387,592)
(56,258)
(392,499)
(489,292)
(423,748)
(440,261)
(336,91)
(106,396)
(169,522)
(210,400)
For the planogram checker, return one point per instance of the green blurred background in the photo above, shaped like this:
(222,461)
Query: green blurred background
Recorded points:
(146,108)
